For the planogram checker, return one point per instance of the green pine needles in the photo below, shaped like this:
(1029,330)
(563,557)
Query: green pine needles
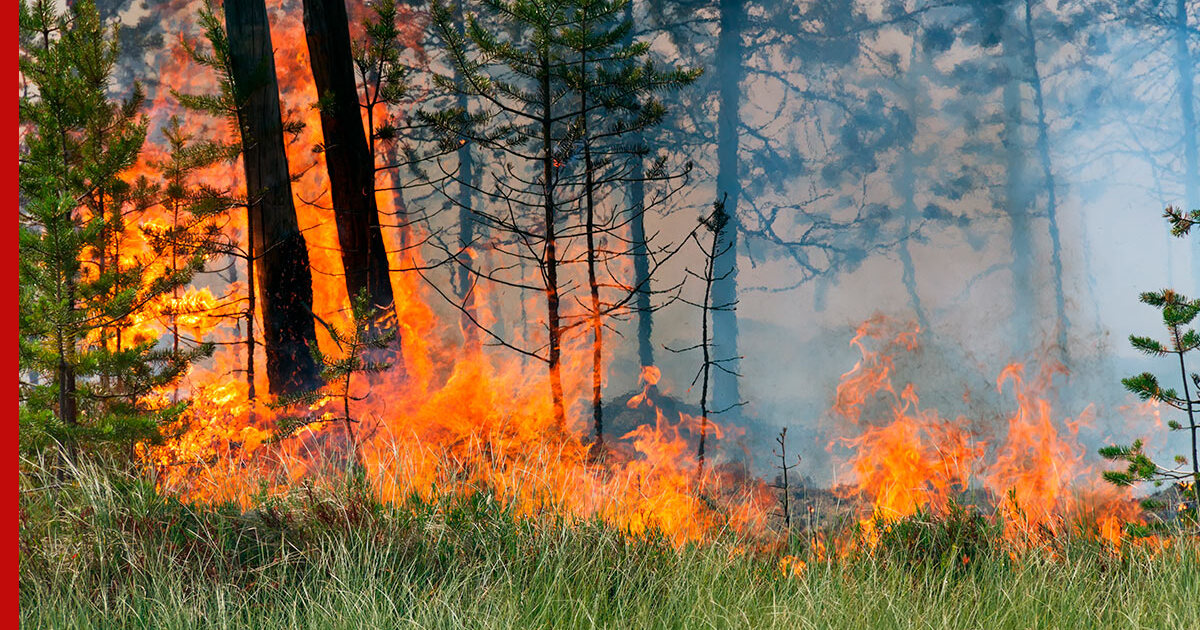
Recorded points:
(1178,313)
(362,345)
(88,376)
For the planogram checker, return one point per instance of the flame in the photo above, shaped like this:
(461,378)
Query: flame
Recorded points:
(910,459)
(456,418)
(449,418)
(904,459)
(791,566)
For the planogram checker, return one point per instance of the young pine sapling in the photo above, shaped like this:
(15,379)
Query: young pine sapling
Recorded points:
(357,345)
(1178,313)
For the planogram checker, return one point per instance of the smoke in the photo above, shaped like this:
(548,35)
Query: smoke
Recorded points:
(889,164)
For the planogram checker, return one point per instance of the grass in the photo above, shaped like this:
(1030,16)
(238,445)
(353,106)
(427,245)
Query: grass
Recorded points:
(107,551)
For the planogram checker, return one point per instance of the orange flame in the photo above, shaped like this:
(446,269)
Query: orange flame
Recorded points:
(904,459)
(455,419)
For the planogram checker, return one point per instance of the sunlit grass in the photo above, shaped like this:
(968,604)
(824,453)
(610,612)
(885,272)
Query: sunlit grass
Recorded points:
(104,550)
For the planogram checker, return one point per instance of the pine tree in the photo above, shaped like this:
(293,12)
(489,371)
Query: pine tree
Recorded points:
(556,96)
(515,80)
(614,87)
(82,386)
(193,231)
(1178,313)
(357,344)
(349,158)
(223,104)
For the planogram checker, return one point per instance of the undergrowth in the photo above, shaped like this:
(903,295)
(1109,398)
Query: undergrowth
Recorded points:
(107,550)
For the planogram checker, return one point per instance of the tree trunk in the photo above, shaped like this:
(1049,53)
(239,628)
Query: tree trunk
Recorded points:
(284,279)
(1187,108)
(705,345)
(638,247)
(726,392)
(348,159)
(466,216)
(1016,205)
(251,306)
(65,374)
(593,284)
(1062,324)
(550,261)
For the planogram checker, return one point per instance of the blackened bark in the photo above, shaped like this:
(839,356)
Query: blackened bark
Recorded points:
(725,325)
(281,263)
(593,283)
(550,262)
(705,344)
(251,305)
(347,157)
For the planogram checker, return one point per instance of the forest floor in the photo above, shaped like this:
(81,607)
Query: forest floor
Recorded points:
(107,551)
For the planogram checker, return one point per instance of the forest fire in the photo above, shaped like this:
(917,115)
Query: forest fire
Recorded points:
(550,313)
(906,460)
(451,416)
(445,417)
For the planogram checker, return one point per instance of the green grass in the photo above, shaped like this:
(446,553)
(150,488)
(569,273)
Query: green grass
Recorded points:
(107,551)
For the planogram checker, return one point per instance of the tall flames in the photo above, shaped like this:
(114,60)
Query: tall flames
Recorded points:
(905,459)
(461,419)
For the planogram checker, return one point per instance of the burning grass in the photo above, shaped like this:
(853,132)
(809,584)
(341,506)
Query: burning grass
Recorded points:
(107,550)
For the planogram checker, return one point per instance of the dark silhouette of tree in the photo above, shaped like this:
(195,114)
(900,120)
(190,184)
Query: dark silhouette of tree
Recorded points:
(726,389)
(714,223)
(643,313)
(282,269)
(555,97)
(349,160)
(615,105)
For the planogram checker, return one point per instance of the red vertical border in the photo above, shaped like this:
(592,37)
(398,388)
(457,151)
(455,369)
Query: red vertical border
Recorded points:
(12,553)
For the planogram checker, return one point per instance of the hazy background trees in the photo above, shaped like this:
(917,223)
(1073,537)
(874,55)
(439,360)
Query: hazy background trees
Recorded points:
(991,170)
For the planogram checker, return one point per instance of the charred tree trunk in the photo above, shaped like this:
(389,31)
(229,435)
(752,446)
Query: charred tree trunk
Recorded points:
(348,159)
(251,305)
(718,223)
(550,259)
(283,275)
(637,234)
(466,215)
(1062,324)
(593,283)
(725,325)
